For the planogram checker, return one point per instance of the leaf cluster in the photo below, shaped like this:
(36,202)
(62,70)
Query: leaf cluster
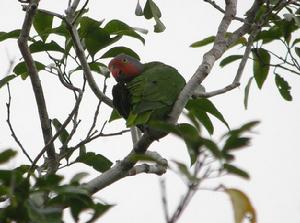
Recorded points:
(42,198)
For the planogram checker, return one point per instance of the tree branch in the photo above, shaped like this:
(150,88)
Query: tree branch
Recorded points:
(13,134)
(81,56)
(164,199)
(214,4)
(208,61)
(63,126)
(36,83)
(146,168)
(121,169)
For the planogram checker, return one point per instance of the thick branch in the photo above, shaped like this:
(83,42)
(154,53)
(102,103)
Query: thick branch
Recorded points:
(121,169)
(208,61)
(146,168)
(36,83)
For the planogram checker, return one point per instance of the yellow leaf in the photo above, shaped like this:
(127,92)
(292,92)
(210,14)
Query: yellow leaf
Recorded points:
(242,206)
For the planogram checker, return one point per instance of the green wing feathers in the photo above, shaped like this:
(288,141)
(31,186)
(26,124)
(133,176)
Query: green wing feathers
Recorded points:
(153,93)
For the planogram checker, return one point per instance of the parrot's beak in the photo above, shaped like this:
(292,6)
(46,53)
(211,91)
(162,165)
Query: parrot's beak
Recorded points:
(115,72)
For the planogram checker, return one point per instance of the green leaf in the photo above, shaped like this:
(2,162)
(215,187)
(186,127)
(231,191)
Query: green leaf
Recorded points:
(9,35)
(295,42)
(283,87)
(48,181)
(77,177)
(273,33)
(159,26)
(112,52)
(43,214)
(261,65)
(297,50)
(211,39)
(75,198)
(6,79)
(203,104)
(244,128)
(98,67)
(287,28)
(82,150)
(234,142)
(230,59)
(164,127)
(41,46)
(87,24)
(297,20)
(97,161)
(194,120)
(117,27)
(99,209)
(114,115)
(22,169)
(204,119)
(138,9)
(228,157)
(241,41)
(184,170)
(6,155)
(192,139)
(242,206)
(185,131)
(151,10)
(67,189)
(60,30)
(247,91)
(63,136)
(96,40)
(212,147)
(203,42)
(21,69)
(42,23)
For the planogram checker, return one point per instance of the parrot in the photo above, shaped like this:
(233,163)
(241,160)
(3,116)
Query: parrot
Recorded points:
(144,92)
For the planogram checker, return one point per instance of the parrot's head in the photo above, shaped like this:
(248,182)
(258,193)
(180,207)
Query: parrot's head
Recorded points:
(124,68)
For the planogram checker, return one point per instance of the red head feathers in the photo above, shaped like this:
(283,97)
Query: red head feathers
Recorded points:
(124,68)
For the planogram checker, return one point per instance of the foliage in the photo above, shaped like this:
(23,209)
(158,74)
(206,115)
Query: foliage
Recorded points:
(23,199)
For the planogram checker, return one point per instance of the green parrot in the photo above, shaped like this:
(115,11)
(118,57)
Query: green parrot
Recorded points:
(144,92)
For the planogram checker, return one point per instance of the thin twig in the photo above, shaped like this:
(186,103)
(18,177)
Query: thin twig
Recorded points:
(96,115)
(219,8)
(13,134)
(80,12)
(88,140)
(164,198)
(66,122)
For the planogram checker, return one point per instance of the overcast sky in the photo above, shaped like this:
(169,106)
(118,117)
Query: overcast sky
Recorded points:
(272,159)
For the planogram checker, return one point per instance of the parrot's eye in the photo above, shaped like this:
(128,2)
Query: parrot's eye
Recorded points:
(125,60)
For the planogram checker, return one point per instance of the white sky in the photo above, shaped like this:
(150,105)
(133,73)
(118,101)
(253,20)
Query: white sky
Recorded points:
(272,159)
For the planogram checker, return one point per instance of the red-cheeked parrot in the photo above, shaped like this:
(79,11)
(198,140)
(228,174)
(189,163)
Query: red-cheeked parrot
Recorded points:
(144,92)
